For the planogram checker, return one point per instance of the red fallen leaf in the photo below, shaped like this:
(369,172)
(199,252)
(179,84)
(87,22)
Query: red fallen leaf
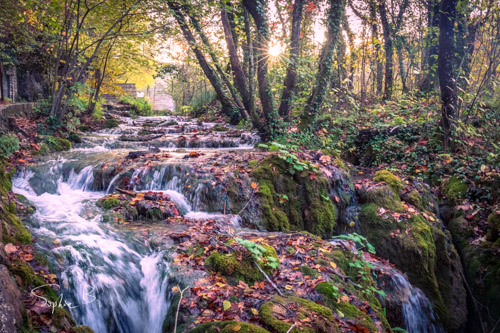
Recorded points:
(312,176)
(35,146)
(21,161)
(425,168)
(261,285)
(358,186)
(469,217)
(336,198)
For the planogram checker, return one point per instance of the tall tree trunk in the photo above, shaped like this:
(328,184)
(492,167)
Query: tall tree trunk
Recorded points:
(256,8)
(446,71)
(238,73)
(249,52)
(227,106)
(2,94)
(429,58)
(376,44)
(291,71)
(389,50)
(399,51)
(335,15)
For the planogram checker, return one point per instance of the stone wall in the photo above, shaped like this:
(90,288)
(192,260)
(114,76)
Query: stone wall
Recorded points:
(9,82)
(15,111)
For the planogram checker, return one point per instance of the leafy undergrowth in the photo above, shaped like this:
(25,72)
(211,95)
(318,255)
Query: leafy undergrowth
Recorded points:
(305,262)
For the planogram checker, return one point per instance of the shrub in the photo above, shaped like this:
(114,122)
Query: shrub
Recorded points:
(9,144)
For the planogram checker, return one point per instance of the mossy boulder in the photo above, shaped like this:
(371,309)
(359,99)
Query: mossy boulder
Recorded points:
(393,181)
(492,234)
(321,317)
(55,143)
(238,267)
(228,327)
(111,123)
(425,253)
(454,189)
(344,309)
(293,202)
(111,202)
(482,271)
(81,329)
(381,195)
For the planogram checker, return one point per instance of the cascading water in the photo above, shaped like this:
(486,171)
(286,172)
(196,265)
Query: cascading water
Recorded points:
(114,286)
(114,281)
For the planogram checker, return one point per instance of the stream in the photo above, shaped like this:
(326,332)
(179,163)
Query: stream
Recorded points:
(115,281)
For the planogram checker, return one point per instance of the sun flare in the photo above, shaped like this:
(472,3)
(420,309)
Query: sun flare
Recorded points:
(275,50)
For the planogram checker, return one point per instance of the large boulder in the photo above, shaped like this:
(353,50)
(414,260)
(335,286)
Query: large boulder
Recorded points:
(11,308)
(414,240)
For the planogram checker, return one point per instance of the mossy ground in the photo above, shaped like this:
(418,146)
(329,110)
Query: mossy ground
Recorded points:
(321,317)
(454,189)
(394,182)
(308,206)
(228,327)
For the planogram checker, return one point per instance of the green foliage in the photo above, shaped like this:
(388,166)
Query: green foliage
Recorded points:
(260,253)
(360,240)
(111,203)
(140,106)
(9,144)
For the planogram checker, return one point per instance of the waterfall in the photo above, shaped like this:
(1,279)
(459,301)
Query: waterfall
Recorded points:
(113,285)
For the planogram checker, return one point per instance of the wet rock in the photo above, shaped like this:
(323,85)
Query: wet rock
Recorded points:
(11,308)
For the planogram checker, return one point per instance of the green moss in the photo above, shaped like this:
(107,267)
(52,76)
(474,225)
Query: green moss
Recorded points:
(348,310)
(385,197)
(29,279)
(306,270)
(277,304)
(232,267)
(253,163)
(330,152)
(306,207)
(338,162)
(111,123)
(57,144)
(61,317)
(111,203)
(492,234)
(394,182)
(454,189)
(227,327)
(415,199)
(81,329)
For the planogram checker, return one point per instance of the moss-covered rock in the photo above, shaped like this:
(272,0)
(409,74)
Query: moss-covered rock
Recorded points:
(308,206)
(382,196)
(111,123)
(321,318)
(111,202)
(81,329)
(492,234)
(57,144)
(228,327)
(425,253)
(482,270)
(343,308)
(308,271)
(454,189)
(234,268)
(393,181)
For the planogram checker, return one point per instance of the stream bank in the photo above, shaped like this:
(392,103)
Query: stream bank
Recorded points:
(187,204)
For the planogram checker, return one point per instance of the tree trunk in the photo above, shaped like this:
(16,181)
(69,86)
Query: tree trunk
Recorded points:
(399,51)
(335,15)
(429,58)
(227,106)
(291,71)
(256,8)
(376,44)
(238,73)
(389,50)
(250,59)
(446,72)
(2,94)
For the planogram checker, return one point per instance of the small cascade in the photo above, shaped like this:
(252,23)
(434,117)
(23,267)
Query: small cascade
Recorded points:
(113,285)
(410,302)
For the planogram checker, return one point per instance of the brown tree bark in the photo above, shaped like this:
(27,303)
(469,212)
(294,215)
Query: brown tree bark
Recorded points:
(335,15)
(227,106)
(446,71)
(291,71)
(2,94)
(256,8)
(389,51)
